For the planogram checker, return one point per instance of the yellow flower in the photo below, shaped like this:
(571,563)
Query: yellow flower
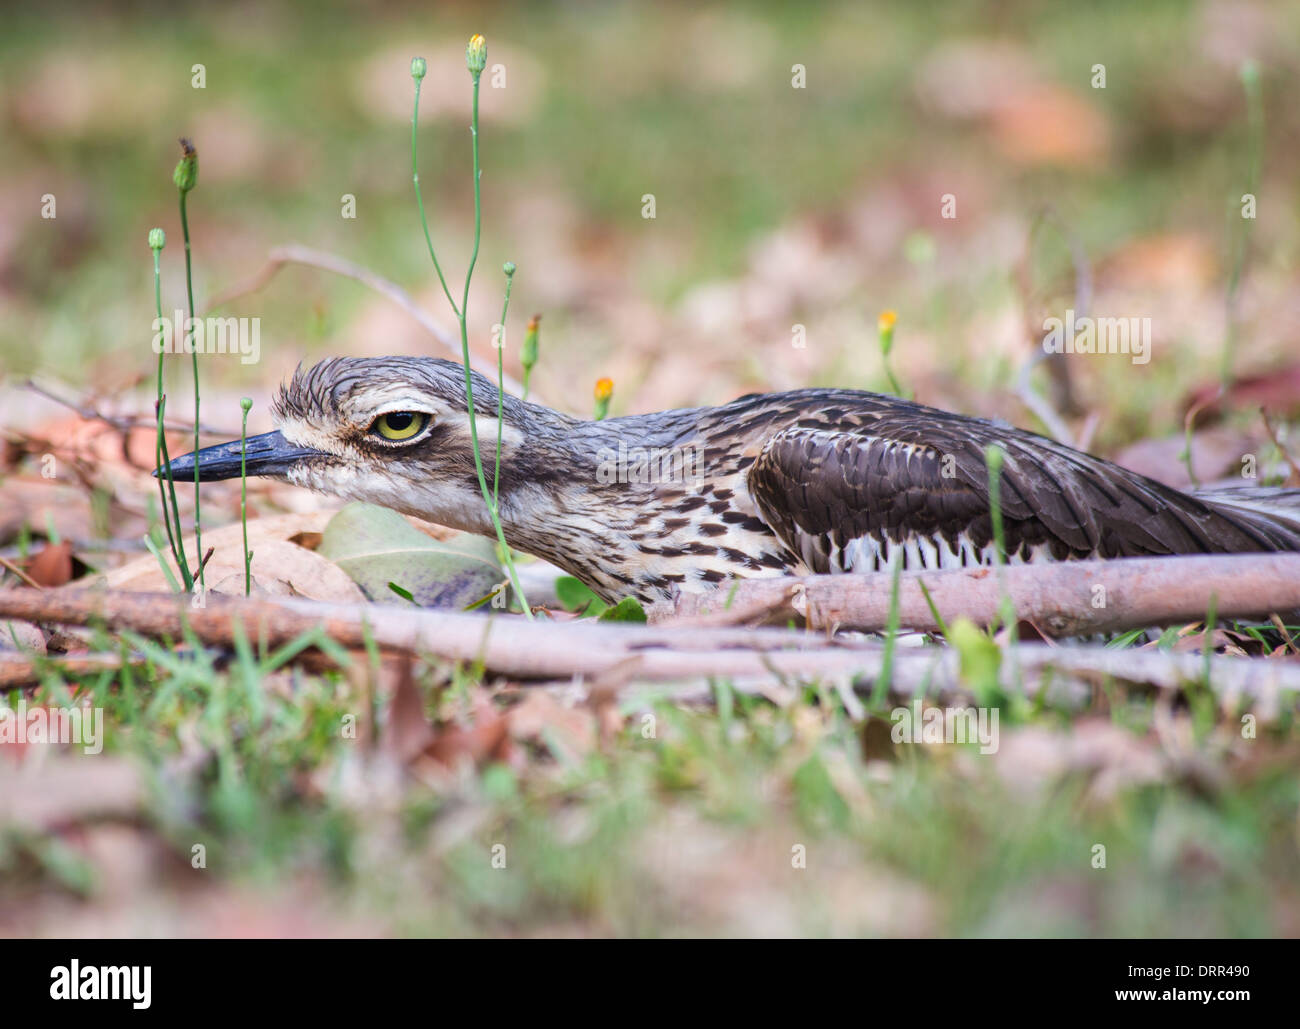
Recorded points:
(528,354)
(885,323)
(476,54)
(604,390)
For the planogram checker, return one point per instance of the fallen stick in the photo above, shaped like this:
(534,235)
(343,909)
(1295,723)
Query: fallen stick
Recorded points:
(620,652)
(1265,687)
(505,644)
(1069,598)
(18,670)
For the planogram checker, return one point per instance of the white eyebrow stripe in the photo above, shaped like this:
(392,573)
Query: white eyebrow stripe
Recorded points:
(384,401)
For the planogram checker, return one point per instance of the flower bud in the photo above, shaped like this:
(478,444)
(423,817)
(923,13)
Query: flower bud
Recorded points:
(186,175)
(157,239)
(604,390)
(528,352)
(418,67)
(476,55)
(885,323)
(509,268)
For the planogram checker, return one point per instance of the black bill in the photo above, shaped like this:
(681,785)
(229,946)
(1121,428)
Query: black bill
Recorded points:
(267,454)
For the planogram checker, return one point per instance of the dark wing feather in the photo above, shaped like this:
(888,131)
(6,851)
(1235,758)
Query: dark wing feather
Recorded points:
(843,497)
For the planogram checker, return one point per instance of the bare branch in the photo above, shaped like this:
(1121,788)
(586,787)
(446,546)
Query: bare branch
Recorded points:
(618,652)
(19,670)
(1069,598)
(294,253)
(124,423)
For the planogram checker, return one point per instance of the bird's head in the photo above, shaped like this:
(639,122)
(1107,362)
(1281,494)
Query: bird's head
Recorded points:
(393,431)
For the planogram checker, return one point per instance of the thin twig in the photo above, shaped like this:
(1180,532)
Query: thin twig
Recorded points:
(1294,478)
(1059,367)
(294,253)
(10,566)
(206,558)
(1286,635)
(1039,405)
(122,423)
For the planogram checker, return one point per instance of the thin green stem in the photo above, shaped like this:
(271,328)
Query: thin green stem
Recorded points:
(528,352)
(478,216)
(934,609)
(462,316)
(243,496)
(893,381)
(419,199)
(501,391)
(885,679)
(175,540)
(163,480)
(994,458)
(1207,638)
(161,457)
(194,355)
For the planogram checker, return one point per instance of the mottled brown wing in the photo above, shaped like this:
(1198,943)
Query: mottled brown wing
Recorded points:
(844,499)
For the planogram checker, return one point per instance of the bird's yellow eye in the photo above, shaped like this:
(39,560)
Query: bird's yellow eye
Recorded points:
(398,425)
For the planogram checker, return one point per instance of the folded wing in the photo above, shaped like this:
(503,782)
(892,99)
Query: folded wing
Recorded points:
(855,499)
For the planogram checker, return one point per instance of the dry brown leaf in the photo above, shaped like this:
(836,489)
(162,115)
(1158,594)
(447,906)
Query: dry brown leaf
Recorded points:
(21,636)
(1195,642)
(1170,261)
(1216,454)
(544,719)
(1052,126)
(1278,392)
(37,503)
(408,731)
(52,565)
(1032,119)
(280,567)
(486,738)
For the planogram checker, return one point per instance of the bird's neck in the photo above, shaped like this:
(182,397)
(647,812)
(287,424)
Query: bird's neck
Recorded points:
(600,499)
(565,472)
